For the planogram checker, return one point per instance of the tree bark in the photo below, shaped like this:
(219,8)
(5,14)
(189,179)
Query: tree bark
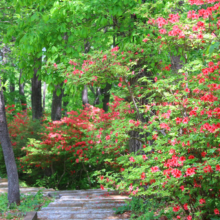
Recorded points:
(44,95)
(97,95)
(12,173)
(56,113)
(65,103)
(21,92)
(36,97)
(12,87)
(85,99)
(106,98)
(176,63)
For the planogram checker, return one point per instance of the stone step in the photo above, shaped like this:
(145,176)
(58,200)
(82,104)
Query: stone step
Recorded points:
(77,211)
(24,190)
(95,209)
(83,204)
(75,198)
(86,204)
(69,215)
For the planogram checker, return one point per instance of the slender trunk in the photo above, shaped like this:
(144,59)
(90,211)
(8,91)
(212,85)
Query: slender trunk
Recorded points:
(21,92)
(56,112)
(44,95)
(176,63)
(106,98)
(36,97)
(97,95)
(135,143)
(12,87)
(65,103)
(85,99)
(12,173)
(12,90)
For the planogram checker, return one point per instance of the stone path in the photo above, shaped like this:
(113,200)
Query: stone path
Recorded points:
(24,190)
(76,204)
(83,204)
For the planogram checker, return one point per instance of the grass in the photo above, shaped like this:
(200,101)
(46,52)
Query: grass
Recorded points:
(28,203)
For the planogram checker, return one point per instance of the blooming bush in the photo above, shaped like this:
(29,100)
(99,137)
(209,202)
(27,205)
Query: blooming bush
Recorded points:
(21,128)
(166,90)
(177,115)
(66,148)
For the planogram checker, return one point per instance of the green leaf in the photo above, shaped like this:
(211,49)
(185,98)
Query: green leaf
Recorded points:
(58,92)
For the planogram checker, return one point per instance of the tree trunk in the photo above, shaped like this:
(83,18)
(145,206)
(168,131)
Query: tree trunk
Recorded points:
(134,143)
(97,95)
(12,87)
(21,92)
(36,97)
(13,183)
(65,103)
(44,95)
(106,98)
(56,112)
(12,93)
(85,99)
(176,63)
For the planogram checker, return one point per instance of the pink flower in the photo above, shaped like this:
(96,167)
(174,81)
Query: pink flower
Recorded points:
(216,211)
(102,187)
(178,120)
(187,90)
(203,154)
(189,217)
(107,137)
(154,169)
(176,173)
(190,171)
(119,84)
(182,159)
(77,160)
(94,78)
(155,79)
(115,49)
(191,157)
(176,208)
(217,167)
(202,201)
(132,159)
(185,206)
(155,136)
(208,169)
(185,120)
(145,157)
(65,81)
(143,175)
(182,188)
(55,65)
(163,31)
(200,36)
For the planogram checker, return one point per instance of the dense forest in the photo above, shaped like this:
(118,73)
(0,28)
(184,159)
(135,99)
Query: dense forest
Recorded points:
(120,94)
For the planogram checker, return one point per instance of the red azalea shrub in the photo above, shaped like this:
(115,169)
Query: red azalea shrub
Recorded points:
(21,128)
(179,160)
(70,146)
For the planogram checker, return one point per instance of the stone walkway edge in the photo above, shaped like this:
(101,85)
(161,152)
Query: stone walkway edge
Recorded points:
(93,204)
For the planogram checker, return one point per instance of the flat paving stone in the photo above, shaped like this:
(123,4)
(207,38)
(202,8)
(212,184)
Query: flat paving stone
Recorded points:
(83,204)
(24,190)
(92,204)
